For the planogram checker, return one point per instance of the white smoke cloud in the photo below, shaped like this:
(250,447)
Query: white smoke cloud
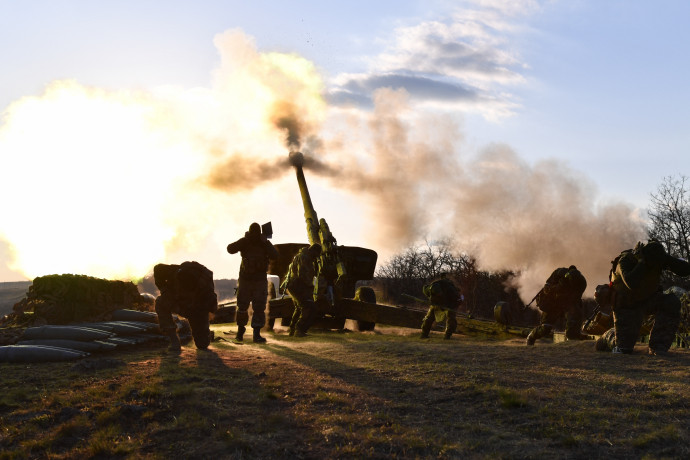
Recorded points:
(509,214)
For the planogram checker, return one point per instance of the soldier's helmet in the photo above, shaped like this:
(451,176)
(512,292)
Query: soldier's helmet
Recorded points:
(315,250)
(654,252)
(254,229)
(603,295)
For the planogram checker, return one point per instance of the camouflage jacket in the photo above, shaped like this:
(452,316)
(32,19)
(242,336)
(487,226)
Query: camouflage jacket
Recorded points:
(300,274)
(636,279)
(564,286)
(255,253)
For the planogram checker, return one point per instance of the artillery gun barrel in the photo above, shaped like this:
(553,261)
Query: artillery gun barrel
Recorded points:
(310,217)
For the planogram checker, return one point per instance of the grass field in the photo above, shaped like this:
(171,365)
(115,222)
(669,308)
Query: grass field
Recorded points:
(384,394)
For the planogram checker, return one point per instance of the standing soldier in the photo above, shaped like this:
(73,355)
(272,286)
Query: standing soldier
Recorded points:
(635,278)
(561,297)
(256,251)
(445,299)
(299,283)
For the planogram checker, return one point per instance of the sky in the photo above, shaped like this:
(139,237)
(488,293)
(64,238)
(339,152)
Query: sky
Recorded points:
(531,133)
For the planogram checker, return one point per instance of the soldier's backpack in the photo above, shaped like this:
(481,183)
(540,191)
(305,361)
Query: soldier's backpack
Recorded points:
(614,265)
(576,282)
(196,280)
(165,277)
(547,299)
(443,292)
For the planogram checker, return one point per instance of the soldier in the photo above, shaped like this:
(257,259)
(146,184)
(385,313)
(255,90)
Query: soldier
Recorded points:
(187,290)
(561,297)
(635,278)
(256,251)
(445,299)
(299,283)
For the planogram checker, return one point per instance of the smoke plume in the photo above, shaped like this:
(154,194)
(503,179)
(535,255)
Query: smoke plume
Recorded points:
(510,215)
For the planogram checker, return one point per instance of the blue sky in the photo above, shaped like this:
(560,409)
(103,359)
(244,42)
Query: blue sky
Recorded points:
(598,86)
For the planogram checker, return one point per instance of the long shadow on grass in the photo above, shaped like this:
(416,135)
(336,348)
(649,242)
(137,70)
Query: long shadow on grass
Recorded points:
(533,402)
(426,416)
(214,410)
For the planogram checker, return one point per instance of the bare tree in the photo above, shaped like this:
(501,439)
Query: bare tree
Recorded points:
(408,271)
(669,215)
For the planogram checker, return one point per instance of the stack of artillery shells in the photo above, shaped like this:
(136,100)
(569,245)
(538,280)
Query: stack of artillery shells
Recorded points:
(59,343)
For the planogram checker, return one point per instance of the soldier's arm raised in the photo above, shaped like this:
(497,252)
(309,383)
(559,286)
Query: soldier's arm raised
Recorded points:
(234,248)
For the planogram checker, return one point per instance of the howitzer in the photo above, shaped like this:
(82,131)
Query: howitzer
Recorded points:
(331,273)
(338,269)
(416,299)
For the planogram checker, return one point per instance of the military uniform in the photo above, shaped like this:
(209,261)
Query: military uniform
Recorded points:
(637,294)
(444,299)
(187,290)
(299,283)
(561,297)
(252,287)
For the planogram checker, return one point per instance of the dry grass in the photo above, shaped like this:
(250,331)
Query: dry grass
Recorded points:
(352,395)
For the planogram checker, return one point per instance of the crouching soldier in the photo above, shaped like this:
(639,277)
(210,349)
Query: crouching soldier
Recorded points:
(186,289)
(445,299)
(636,282)
(299,283)
(561,297)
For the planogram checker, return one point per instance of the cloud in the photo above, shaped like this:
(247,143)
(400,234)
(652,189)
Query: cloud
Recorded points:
(417,86)
(465,62)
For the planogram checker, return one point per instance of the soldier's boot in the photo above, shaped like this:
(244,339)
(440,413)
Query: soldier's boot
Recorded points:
(239,337)
(607,341)
(532,337)
(175,344)
(447,335)
(601,345)
(426,328)
(257,336)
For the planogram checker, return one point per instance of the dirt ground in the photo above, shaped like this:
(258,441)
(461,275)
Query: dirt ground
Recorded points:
(381,394)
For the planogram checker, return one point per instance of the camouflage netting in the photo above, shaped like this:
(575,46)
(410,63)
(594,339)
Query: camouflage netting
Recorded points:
(61,299)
